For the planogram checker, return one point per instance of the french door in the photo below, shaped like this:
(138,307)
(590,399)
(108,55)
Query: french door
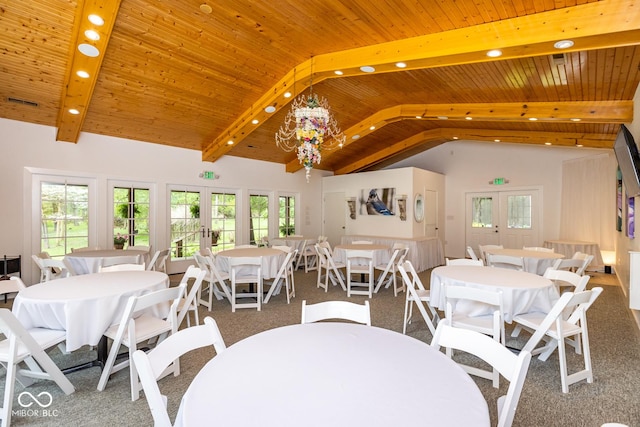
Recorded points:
(508,218)
(199,218)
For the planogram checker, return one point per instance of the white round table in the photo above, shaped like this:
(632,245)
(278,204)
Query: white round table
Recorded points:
(535,262)
(522,292)
(86,262)
(84,306)
(271,260)
(381,253)
(332,374)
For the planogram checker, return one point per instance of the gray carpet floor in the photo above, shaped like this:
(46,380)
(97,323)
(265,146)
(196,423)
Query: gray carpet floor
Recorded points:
(614,396)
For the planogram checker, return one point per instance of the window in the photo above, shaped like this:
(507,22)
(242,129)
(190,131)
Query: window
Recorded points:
(519,212)
(223,221)
(258,218)
(482,212)
(131,215)
(64,215)
(185,223)
(286,216)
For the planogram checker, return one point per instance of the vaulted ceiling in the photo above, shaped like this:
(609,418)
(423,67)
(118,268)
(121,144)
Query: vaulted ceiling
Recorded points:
(199,74)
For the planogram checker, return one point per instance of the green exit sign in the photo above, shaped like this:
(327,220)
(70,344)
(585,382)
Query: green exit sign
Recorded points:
(208,175)
(498,181)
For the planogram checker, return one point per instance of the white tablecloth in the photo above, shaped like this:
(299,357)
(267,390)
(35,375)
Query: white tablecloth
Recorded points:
(570,247)
(332,374)
(271,260)
(292,242)
(522,292)
(86,305)
(535,262)
(381,253)
(86,262)
(424,252)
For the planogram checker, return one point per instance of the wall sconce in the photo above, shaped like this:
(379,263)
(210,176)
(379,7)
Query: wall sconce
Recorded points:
(351,203)
(402,206)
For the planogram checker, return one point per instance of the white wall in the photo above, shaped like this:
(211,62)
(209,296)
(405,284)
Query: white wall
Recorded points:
(406,181)
(27,146)
(468,166)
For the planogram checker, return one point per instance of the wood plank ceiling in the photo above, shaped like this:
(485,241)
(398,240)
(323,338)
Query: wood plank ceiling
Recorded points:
(199,73)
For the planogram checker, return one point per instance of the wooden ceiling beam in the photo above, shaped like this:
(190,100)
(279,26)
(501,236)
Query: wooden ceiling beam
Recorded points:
(435,137)
(557,112)
(78,91)
(598,25)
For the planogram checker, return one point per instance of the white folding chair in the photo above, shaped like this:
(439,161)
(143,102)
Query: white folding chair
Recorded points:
(189,303)
(359,262)
(159,261)
(153,366)
(216,280)
(308,256)
(336,310)
(54,269)
(463,261)
(246,270)
(22,345)
(472,253)
(418,295)
(465,307)
(511,366)
(564,278)
(285,274)
(133,330)
(554,327)
(586,259)
(484,248)
(121,267)
(505,261)
(37,259)
(330,268)
(399,252)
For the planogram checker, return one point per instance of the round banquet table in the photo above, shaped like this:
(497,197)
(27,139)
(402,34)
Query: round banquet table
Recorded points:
(522,292)
(86,262)
(84,306)
(295,242)
(535,262)
(381,253)
(332,374)
(271,260)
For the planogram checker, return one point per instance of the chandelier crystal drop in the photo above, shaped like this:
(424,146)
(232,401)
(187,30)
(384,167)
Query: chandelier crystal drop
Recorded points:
(309,128)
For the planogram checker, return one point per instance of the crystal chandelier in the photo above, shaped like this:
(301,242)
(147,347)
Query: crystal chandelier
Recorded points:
(310,128)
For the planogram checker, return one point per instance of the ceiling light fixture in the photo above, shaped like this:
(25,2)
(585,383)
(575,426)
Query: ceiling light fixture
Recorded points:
(575,120)
(468,118)
(443,117)
(305,127)
(92,35)
(563,44)
(255,121)
(88,50)
(74,111)
(367,69)
(547,143)
(494,53)
(372,127)
(270,109)
(230,142)
(205,8)
(83,74)
(96,20)
(287,94)
(401,65)
(338,72)
(533,119)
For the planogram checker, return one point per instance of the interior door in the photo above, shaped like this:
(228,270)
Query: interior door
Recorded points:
(334,217)
(430,213)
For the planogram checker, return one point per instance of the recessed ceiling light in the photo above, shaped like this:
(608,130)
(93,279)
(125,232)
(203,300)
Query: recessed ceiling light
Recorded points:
(578,145)
(575,120)
(496,140)
(270,109)
(401,65)
(255,121)
(340,145)
(367,69)
(205,8)
(96,20)
(83,74)
(74,111)
(547,143)
(563,44)
(468,118)
(230,142)
(443,117)
(92,35)
(287,94)
(372,127)
(494,53)
(455,137)
(356,136)
(418,117)
(533,119)
(88,50)
(338,72)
